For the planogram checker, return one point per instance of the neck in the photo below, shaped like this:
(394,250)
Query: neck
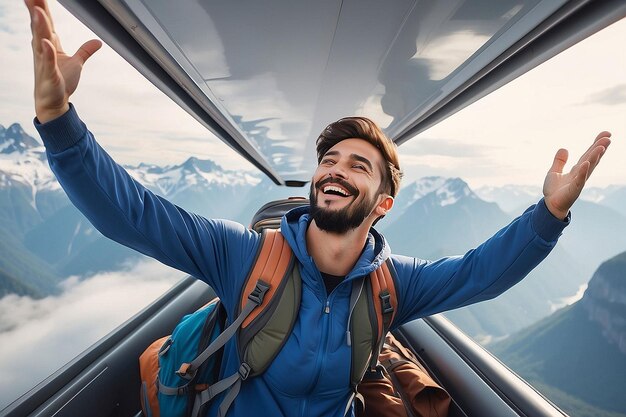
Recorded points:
(335,253)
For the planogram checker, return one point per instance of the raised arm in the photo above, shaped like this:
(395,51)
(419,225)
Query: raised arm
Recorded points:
(56,73)
(118,206)
(504,259)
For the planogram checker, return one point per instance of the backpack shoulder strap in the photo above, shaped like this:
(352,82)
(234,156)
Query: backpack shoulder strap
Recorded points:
(275,265)
(386,300)
(273,261)
(375,303)
(269,305)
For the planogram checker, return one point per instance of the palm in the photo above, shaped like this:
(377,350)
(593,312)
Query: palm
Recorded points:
(560,190)
(55,88)
(56,73)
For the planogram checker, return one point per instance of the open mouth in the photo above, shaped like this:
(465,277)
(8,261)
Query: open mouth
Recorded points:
(335,190)
(336,187)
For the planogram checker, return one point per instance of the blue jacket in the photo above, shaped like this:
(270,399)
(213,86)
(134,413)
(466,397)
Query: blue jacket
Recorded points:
(310,375)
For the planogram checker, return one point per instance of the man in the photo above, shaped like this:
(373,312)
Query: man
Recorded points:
(354,185)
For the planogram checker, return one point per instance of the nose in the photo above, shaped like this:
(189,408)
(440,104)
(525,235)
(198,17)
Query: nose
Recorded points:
(338,170)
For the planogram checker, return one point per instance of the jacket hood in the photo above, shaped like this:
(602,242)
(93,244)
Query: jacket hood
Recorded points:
(294,225)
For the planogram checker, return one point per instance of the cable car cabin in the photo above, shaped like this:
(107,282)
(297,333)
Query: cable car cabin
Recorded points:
(315,62)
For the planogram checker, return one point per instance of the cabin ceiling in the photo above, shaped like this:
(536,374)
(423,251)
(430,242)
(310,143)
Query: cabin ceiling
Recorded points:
(268,76)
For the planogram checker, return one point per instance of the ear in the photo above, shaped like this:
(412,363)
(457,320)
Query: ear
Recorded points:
(385,205)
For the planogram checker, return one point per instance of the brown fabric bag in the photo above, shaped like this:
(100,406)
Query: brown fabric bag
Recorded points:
(401,387)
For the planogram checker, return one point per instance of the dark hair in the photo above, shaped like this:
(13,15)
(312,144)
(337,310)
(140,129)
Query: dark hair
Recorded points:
(366,129)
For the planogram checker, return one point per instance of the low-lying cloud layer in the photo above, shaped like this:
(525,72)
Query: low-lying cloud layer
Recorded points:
(37,337)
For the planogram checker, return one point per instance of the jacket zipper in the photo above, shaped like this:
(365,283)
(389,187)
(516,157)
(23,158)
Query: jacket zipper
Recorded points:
(322,353)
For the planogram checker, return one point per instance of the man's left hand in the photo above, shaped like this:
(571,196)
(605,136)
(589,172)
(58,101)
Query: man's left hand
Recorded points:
(561,190)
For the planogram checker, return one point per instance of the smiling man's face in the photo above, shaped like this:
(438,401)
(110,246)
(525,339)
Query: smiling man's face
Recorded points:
(345,188)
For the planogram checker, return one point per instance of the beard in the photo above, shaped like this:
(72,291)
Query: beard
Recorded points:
(342,220)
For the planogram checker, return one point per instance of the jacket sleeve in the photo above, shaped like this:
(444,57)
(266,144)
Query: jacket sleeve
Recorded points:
(483,273)
(216,251)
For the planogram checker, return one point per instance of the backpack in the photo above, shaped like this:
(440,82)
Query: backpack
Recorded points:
(179,372)
(399,386)
(190,337)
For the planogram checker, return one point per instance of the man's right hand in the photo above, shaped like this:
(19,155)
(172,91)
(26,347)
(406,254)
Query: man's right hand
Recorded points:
(56,73)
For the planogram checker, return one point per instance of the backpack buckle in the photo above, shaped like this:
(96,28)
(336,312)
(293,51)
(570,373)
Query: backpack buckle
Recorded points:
(186,372)
(258,292)
(385,301)
(244,371)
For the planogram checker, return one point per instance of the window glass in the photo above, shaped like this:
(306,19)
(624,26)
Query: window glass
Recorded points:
(64,286)
(561,328)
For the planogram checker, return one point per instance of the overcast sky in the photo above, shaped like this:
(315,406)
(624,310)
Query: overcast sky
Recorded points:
(509,137)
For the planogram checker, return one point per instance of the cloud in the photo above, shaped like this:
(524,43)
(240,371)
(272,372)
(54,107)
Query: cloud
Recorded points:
(442,147)
(37,337)
(613,96)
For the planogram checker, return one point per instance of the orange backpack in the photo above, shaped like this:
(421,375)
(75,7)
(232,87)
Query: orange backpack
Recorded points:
(273,286)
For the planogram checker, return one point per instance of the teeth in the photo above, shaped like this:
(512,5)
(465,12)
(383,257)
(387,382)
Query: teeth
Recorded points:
(336,189)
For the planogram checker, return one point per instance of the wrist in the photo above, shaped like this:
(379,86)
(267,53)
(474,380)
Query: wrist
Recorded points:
(556,212)
(48,114)
(561,215)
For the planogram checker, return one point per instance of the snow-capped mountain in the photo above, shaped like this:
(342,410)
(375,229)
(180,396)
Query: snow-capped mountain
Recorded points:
(514,198)
(28,190)
(446,215)
(38,216)
(453,190)
(445,191)
(15,139)
(425,185)
(23,165)
(23,162)
(172,180)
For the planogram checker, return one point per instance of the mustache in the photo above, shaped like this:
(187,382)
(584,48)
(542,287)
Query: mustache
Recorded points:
(352,190)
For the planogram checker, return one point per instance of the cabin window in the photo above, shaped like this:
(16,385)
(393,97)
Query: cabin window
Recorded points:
(63,286)
(562,326)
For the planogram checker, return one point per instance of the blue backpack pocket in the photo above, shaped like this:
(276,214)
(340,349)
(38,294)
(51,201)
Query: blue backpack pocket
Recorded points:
(190,337)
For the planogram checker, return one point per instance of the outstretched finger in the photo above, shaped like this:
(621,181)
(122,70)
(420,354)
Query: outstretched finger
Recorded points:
(49,59)
(30,4)
(40,27)
(601,140)
(603,134)
(88,49)
(560,159)
(43,4)
(594,158)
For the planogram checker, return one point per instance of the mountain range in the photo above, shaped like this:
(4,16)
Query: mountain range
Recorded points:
(45,239)
(512,198)
(563,354)
(445,217)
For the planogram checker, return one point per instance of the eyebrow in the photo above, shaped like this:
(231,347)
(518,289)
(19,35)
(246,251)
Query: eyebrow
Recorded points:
(362,159)
(353,156)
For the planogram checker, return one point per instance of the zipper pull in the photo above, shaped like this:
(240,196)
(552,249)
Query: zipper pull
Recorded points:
(327,308)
